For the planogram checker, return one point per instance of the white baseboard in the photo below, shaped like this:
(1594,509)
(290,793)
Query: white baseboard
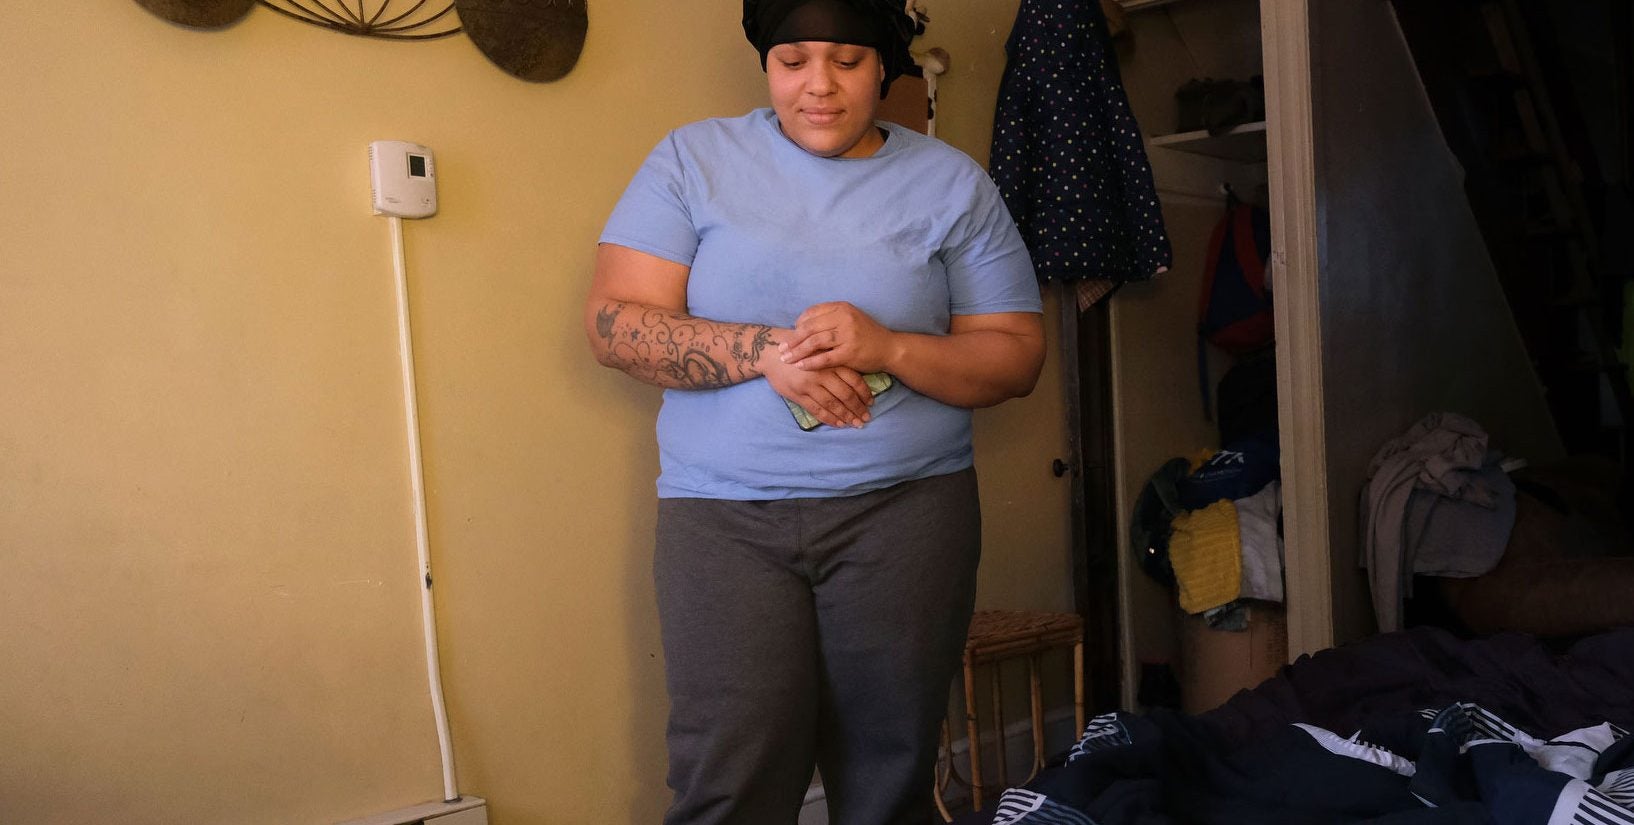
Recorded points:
(1059,734)
(467,810)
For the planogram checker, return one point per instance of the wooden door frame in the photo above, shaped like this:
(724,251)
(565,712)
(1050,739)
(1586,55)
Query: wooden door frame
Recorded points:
(1285,33)
(1086,387)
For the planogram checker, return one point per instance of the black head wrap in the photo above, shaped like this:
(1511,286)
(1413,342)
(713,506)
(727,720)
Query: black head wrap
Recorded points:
(885,25)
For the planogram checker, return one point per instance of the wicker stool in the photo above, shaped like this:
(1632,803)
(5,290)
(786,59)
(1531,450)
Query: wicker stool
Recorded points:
(995,637)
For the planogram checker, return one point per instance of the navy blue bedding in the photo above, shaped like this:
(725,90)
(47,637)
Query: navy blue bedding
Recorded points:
(1409,728)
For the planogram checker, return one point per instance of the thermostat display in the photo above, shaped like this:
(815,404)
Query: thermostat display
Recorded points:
(403,179)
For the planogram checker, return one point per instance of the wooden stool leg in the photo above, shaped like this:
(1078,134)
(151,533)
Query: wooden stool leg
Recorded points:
(1038,718)
(1078,687)
(998,727)
(944,770)
(974,732)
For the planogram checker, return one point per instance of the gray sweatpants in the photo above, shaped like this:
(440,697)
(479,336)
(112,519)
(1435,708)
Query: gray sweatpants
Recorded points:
(813,631)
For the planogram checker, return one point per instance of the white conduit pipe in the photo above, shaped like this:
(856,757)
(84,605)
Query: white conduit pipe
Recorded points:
(422,541)
(933,64)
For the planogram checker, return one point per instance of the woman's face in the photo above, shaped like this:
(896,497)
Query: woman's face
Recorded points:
(825,95)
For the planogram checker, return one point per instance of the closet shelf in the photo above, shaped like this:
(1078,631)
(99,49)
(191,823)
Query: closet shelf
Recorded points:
(1140,5)
(1245,142)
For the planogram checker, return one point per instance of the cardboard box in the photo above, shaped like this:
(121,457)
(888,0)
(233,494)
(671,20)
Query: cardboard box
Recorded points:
(1215,664)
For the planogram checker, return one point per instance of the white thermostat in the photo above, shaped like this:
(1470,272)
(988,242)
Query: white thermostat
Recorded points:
(403,179)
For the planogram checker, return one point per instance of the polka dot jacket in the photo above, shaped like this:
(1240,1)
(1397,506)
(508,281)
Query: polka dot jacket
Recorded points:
(1067,153)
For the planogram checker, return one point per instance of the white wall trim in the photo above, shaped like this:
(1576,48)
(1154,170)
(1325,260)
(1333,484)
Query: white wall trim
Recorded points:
(1285,32)
(423,812)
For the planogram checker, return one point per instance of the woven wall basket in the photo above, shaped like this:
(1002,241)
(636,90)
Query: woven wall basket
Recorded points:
(536,40)
(200,14)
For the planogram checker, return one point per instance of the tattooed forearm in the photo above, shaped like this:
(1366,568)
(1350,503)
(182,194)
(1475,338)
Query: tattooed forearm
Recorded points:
(680,351)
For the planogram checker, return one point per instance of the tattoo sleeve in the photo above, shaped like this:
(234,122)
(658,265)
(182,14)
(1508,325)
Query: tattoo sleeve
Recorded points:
(679,351)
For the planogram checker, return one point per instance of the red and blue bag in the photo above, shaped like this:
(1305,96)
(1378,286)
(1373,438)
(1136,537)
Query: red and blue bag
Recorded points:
(1234,310)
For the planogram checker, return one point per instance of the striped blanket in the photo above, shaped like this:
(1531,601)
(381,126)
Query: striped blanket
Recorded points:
(1458,764)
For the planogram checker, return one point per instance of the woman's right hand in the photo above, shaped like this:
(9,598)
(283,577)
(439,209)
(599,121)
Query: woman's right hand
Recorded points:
(836,396)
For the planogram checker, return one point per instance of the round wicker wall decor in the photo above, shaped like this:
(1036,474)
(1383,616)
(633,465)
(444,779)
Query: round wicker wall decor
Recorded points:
(535,40)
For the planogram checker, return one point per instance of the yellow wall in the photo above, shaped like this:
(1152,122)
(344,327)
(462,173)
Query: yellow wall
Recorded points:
(209,580)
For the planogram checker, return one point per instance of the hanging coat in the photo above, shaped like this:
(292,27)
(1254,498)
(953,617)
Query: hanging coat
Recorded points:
(1067,153)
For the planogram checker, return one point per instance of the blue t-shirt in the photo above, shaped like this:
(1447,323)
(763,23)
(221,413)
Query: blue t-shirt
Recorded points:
(912,235)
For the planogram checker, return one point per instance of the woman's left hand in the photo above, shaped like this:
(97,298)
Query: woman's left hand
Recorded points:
(837,334)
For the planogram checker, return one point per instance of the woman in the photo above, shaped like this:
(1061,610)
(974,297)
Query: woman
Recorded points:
(814,587)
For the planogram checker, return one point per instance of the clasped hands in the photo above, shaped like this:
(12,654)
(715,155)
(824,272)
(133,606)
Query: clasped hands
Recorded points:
(819,363)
